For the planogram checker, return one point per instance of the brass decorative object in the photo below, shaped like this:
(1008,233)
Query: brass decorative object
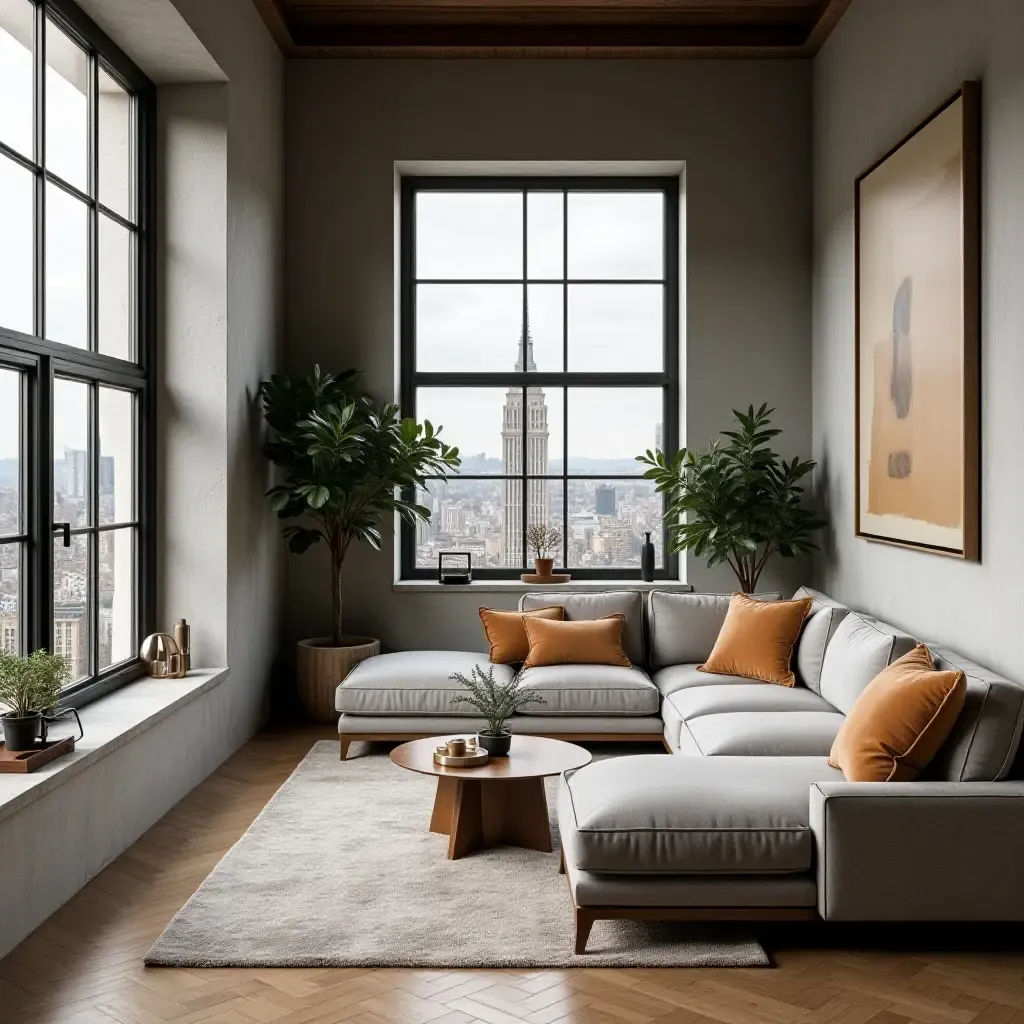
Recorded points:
(460,753)
(162,656)
(183,638)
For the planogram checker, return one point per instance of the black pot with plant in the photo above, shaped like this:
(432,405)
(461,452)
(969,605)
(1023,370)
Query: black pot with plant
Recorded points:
(29,687)
(496,702)
(737,502)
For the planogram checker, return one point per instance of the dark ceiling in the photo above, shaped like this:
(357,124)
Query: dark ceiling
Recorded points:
(550,28)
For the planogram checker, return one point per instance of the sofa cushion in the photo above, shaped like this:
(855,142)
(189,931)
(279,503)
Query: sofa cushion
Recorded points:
(689,815)
(684,627)
(860,648)
(412,683)
(758,638)
(596,606)
(695,701)
(584,642)
(506,634)
(590,690)
(681,677)
(987,732)
(819,628)
(760,734)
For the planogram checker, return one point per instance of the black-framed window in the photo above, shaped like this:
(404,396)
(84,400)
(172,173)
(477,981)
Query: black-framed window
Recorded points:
(76,345)
(539,327)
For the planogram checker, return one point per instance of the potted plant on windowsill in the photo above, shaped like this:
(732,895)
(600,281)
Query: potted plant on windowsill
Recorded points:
(496,702)
(738,502)
(29,687)
(541,539)
(347,463)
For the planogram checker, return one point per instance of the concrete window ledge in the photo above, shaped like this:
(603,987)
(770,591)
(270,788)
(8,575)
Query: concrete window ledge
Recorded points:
(109,723)
(518,587)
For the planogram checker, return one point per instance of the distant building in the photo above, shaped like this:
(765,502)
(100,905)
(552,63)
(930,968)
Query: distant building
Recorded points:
(658,438)
(536,435)
(76,473)
(604,500)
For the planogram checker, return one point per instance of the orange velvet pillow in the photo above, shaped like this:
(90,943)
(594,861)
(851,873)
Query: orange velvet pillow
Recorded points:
(898,723)
(757,639)
(580,642)
(506,635)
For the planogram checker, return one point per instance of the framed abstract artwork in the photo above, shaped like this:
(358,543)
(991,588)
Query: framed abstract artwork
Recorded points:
(917,319)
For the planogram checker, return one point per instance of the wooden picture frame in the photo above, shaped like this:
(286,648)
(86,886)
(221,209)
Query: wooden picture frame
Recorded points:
(917,260)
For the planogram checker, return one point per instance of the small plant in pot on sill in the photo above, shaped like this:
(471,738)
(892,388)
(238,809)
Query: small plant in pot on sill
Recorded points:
(541,539)
(496,702)
(348,463)
(737,502)
(29,688)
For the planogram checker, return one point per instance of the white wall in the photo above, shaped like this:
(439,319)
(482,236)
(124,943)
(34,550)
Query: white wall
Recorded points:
(742,128)
(887,65)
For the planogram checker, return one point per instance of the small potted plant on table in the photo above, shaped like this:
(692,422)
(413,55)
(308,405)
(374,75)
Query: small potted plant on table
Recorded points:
(496,702)
(29,687)
(541,539)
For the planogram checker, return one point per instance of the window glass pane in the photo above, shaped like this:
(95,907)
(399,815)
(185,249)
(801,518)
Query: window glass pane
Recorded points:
(466,515)
(615,236)
(17,261)
(544,238)
(71,452)
(117,597)
(117,434)
(71,603)
(115,289)
(16,30)
(546,324)
(10,452)
(545,501)
(609,427)
(115,146)
(10,598)
(466,327)
(475,235)
(607,522)
(67,108)
(616,327)
(482,422)
(67,235)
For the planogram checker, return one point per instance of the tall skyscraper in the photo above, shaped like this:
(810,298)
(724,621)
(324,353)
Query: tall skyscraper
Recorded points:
(512,436)
(604,500)
(76,473)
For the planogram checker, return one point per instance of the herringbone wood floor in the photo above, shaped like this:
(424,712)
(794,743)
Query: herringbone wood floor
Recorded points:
(84,965)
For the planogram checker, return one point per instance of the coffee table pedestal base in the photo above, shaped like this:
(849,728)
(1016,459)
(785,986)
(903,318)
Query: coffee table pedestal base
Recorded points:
(478,813)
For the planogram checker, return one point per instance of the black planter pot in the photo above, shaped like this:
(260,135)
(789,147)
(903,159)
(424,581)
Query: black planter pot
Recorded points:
(496,746)
(21,733)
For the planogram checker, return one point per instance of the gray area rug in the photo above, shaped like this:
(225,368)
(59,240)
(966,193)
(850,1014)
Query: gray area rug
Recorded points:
(339,870)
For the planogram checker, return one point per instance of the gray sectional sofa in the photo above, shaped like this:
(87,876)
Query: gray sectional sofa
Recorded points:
(749,821)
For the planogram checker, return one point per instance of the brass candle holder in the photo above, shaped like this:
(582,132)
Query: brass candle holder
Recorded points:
(162,656)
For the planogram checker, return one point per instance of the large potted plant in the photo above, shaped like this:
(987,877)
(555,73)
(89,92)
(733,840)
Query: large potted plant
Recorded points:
(347,464)
(29,687)
(736,502)
(496,702)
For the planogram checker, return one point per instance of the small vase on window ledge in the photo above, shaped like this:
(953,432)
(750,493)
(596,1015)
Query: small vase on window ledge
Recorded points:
(647,560)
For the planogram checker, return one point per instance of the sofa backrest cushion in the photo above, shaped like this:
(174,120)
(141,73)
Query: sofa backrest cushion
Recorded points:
(596,606)
(987,733)
(860,648)
(684,627)
(819,628)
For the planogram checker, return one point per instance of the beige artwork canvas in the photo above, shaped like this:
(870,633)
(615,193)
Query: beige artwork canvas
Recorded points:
(917,413)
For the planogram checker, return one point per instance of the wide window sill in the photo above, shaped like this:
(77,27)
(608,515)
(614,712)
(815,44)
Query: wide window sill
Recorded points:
(109,723)
(518,587)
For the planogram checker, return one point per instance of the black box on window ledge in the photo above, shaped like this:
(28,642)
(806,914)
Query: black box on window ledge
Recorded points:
(454,567)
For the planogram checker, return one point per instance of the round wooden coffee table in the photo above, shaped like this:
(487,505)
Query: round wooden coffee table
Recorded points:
(500,802)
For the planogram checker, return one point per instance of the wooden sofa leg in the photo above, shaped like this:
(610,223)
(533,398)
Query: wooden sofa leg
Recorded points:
(584,922)
(345,742)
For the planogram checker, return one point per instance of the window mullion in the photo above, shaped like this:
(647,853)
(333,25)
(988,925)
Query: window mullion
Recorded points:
(565,369)
(524,436)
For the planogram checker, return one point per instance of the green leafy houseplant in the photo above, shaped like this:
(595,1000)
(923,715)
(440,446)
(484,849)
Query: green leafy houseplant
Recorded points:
(31,685)
(496,702)
(346,462)
(736,502)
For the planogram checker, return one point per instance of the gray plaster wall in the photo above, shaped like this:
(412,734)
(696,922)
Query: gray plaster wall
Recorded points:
(886,66)
(742,129)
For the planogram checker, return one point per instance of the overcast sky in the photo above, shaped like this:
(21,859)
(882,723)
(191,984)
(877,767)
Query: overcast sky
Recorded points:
(612,327)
